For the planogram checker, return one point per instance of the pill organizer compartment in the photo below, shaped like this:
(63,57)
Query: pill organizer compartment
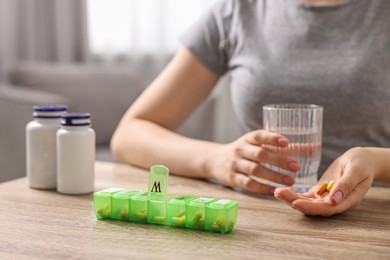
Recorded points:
(102,202)
(221,215)
(157,211)
(138,208)
(176,210)
(196,212)
(121,204)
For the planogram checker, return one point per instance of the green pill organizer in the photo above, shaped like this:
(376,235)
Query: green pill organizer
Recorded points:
(186,211)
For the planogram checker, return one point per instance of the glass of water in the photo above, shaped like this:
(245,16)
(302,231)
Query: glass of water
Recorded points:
(302,125)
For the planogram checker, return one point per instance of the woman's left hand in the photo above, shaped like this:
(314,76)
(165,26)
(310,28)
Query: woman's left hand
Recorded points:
(353,174)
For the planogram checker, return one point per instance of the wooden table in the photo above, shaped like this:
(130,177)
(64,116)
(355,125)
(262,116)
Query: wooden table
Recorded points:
(44,224)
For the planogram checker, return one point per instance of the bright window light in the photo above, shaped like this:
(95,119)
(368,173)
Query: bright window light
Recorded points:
(126,27)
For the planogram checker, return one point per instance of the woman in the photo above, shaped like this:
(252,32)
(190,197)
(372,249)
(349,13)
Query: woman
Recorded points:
(331,53)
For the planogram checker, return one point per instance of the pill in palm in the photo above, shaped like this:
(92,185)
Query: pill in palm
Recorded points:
(330,185)
(322,188)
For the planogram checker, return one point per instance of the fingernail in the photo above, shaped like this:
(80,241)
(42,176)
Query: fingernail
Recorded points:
(283,141)
(288,180)
(294,207)
(294,166)
(337,197)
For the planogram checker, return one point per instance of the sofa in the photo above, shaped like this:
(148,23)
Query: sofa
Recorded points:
(104,91)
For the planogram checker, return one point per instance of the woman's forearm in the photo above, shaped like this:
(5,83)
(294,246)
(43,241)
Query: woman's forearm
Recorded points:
(144,143)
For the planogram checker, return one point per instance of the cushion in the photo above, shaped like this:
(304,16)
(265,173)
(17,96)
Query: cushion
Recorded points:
(104,91)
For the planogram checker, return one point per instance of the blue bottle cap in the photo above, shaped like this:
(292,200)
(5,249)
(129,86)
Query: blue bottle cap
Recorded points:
(49,111)
(76,119)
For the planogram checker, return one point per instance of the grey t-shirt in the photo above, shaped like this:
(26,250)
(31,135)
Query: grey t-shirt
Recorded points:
(280,51)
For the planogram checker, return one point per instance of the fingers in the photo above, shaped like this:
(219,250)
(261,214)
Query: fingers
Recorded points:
(247,183)
(255,169)
(309,205)
(352,174)
(318,207)
(261,154)
(306,204)
(264,137)
(287,195)
(250,153)
(343,187)
(323,207)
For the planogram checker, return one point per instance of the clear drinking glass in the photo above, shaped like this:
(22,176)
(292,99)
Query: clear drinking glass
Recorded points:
(302,125)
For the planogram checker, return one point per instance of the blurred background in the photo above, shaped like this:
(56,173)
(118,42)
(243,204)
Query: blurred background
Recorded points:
(95,56)
(85,31)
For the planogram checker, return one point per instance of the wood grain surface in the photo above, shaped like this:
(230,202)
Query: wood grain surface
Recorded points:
(38,224)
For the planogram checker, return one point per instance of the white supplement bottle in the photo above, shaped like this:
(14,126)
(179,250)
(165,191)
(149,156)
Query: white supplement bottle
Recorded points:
(41,146)
(75,154)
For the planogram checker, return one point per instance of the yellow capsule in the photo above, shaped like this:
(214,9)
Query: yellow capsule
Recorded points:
(223,226)
(141,215)
(124,212)
(200,223)
(330,185)
(159,218)
(322,188)
(197,217)
(179,220)
(105,210)
(220,221)
(100,211)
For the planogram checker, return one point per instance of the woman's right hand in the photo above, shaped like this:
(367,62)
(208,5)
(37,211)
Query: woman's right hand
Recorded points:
(235,164)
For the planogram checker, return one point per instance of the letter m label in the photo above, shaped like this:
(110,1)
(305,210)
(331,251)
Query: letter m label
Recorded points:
(156,187)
